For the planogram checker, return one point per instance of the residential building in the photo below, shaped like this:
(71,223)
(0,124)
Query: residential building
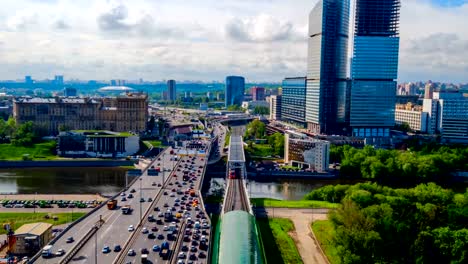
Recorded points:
(97,144)
(235,87)
(429,90)
(374,67)
(275,107)
(306,152)
(448,115)
(171,90)
(30,238)
(258,93)
(122,113)
(293,100)
(326,93)
(411,115)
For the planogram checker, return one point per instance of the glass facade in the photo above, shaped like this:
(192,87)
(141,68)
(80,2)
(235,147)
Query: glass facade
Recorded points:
(171,90)
(327,66)
(374,67)
(235,87)
(293,100)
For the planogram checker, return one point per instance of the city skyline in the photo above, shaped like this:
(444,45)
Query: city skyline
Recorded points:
(261,41)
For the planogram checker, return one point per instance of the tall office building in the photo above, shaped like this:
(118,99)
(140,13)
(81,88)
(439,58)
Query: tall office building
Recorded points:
(275,107)
(171,90)
(235,87)
(293,100)
(327,89)
(58,79)
(28,79)
(374,67)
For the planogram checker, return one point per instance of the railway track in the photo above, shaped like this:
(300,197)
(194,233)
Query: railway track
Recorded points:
(235,197)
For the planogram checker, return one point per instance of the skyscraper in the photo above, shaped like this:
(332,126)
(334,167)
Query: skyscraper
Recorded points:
(374,67)
(293,100)
(235,87)
(171,90)
(258,93)
(327,89)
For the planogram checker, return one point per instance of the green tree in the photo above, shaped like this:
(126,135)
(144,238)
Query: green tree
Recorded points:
(255,130)
(24,135)
(261,110)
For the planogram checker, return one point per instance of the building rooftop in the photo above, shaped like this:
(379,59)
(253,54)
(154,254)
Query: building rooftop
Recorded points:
(116,89)
(236,149)
(33,229)
(102,133)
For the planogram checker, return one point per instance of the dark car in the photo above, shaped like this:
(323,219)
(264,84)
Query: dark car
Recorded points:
(192,257)
(160,236)
(132,190)
(151,236)
(156,209)
(70,240)
(117,248)
(184,248)
(155,229)
(201,255)
(144,251)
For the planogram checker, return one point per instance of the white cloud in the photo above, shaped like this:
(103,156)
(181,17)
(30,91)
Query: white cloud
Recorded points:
(206,39)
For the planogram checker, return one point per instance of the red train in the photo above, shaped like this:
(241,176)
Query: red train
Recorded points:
(232,174)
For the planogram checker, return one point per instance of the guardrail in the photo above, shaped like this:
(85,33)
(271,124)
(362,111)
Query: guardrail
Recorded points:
(177,245)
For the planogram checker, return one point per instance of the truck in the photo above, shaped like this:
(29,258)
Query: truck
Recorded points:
(47,251)
(126,209)
(112,204)
(164,253)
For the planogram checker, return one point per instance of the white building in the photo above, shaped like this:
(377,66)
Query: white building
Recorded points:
(413,116)
(275,107)
(448,115)
(306,152)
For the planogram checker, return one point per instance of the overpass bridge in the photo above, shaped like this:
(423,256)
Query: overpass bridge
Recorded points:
(237,240)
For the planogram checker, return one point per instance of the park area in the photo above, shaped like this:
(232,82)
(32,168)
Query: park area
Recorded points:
(19,219)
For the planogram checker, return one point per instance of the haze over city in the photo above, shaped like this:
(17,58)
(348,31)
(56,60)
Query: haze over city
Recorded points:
(205,40)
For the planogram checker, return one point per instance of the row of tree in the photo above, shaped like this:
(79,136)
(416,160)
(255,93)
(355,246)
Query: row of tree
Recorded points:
(25,134)
(394,166)
(257,130)
(375,224)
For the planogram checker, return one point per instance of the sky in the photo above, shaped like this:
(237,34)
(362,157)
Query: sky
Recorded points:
(263,40)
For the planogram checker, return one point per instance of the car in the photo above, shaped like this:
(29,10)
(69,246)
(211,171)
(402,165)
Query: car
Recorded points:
(181,255)
(60,252)
(159,184)
(117,248)
(144,251)
(123,199)
(160,236)
(131,228)
(106,249)
(156,209)
(132,190)
(142,200)
(184,248)
(165,228)
(201,255)
(156,248)
(166,205)
(70,239)
(193,257)
(193,249)
(130,196)
(144,230)
(153,184)
(172,195)
(165,193)
(155,229)
(131,252)
(151,236)
(186,238)
(123,194)
(150,199)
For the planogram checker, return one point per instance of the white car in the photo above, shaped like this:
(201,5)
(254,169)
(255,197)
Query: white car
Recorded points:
(60,252)
(144,230)
(131,228)
(165,228)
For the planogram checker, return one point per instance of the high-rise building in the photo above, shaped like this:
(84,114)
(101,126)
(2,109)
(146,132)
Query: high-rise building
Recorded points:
(69,92)
(28,79)
(293,100)
(235,87)
(429,90)
(58,79)
(374,67)
(171,90)
(275,107)
(258,93)
(327,89)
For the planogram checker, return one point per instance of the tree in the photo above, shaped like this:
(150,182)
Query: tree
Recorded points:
(261,110)
(276,141)
(24,135)
(234,107)
(255,130)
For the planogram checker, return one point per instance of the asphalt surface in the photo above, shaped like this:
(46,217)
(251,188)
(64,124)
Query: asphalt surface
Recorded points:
(114,231)
(166,202)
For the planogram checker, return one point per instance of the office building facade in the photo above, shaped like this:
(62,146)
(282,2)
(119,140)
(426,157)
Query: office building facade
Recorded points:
(235,88)
(374,67)
(122,113)
(306,152)
(293,100)
(258,93)
(275,107)
(326,93)
(171,90)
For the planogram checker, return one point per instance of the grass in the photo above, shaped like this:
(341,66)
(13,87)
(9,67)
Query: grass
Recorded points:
(227,139)
(279,246)
(267,202)
(40,151)
(260,150)
(155,143)
(19,219)
(324,232)
(128,167)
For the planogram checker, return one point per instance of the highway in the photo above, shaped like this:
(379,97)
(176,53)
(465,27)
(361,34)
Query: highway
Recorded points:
(177,200)
(114,231)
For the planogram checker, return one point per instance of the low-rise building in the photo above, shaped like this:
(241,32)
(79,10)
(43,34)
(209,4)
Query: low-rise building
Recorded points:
(102,144)
(412,115)
(306,152)
(30,238)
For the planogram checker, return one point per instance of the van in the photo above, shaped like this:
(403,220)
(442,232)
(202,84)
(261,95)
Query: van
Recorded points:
(47,251)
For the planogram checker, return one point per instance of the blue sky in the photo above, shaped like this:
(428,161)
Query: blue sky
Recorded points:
(263,40)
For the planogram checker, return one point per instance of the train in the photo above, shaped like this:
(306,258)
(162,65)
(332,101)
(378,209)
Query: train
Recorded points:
(232,174)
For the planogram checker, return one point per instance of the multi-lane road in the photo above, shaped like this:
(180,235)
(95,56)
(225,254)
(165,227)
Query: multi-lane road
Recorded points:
(114,230)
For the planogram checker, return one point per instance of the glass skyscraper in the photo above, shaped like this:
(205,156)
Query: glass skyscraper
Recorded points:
(327,93)
(374,67)
(171,90)
(293,100)
(235,87)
